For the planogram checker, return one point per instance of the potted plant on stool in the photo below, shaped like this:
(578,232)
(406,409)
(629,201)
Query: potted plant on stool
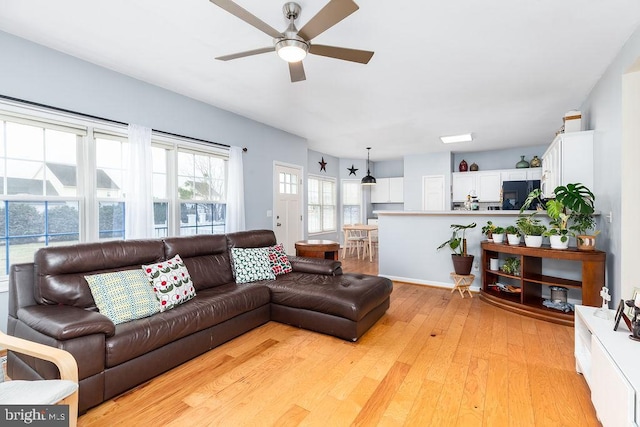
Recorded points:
(462,261)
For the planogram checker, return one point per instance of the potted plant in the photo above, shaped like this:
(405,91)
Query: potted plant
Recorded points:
(487,230)
(498,234)
(579,200)
(462,261)
(511,266)
(558,231)
(532,230)
(513,235)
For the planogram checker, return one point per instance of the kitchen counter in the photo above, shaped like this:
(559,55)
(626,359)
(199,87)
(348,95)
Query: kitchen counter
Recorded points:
(454,213)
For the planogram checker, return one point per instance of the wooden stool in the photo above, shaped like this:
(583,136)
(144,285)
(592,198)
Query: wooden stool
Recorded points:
(462,283)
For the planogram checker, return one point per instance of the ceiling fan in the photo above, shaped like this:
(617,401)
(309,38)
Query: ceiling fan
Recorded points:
(292,45)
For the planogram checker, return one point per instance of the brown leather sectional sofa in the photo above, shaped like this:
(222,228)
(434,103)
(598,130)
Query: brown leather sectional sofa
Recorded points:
(51,303)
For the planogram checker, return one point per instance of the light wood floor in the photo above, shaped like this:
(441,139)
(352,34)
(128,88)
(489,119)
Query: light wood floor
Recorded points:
(433,360)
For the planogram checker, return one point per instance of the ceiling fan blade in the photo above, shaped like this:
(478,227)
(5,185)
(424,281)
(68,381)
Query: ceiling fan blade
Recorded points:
(297,72)
(246,53)
(247,17)
(353,55)
(334,12)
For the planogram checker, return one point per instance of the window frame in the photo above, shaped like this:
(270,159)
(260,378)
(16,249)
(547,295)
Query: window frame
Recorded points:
(357,183)
(322,180)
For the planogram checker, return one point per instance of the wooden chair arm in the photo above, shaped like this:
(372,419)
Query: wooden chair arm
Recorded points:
(65,362)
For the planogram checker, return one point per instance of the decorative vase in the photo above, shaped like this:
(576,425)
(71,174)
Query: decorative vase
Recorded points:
(473,167)
(462,167)
(557,243)
(522,163)
(535,162)
(533,241)
(586,242)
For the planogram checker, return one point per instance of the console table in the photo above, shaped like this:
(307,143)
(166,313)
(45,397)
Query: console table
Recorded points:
(528,300)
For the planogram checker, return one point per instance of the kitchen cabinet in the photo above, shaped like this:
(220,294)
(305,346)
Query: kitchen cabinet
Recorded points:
(608,361)
(486,185)
(568,159)
(521,174)
(388,190)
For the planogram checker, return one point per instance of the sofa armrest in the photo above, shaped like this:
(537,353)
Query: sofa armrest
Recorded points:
(315,265)
(64,322)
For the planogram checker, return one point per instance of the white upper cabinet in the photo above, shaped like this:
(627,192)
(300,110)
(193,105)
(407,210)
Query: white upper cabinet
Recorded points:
(388,190)
(569,159)
(486,186)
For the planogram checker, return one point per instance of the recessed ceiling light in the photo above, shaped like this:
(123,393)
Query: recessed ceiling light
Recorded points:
(456,138)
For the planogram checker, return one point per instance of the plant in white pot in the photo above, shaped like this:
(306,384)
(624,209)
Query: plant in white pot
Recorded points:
(532,230)
(498,234)
(513,235)
(558,231)
(462,261)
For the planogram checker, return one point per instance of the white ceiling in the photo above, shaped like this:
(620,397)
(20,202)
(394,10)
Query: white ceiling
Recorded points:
(505,70)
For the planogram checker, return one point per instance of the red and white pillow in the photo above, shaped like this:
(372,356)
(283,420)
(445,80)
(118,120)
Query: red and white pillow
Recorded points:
(171,282)
(278,260)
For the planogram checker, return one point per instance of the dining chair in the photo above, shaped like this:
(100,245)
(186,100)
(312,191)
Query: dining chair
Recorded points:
(353,240)
(41,392)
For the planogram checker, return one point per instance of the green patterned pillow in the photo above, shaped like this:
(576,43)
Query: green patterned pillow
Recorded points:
(123,295)
(251,264)
(171,282)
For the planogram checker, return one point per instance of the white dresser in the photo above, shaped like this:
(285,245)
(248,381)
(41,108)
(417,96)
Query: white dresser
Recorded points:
(610,362)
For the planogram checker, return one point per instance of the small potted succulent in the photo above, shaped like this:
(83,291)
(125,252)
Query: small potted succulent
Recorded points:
(532,230)
(513,235)
(462,261)
(498,234)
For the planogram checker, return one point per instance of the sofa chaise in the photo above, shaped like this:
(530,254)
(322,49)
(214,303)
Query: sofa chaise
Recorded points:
(50,302)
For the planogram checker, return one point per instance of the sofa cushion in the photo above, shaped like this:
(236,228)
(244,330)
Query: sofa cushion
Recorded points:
(205,256)
(351,296)
(278,260)
(251,264)
(60,270)
(123,295)
(210,307)
(171,282)
(251,239)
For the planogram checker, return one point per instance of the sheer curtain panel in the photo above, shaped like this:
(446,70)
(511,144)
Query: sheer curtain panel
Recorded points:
(139,184)
(235,192)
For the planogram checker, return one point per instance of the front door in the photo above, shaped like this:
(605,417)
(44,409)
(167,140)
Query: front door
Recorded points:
(288,206)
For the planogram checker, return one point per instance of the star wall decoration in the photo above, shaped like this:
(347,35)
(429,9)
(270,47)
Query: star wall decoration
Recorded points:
(323,165)
(352,170)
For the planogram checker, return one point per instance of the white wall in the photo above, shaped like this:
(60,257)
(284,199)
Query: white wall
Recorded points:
(602,111)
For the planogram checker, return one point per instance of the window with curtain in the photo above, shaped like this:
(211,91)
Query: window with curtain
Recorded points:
(351,201)
(321,202)
(38,181)
(202,192)
(62,176)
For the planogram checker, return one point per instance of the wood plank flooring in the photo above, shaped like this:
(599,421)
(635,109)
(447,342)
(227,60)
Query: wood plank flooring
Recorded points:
(433,360)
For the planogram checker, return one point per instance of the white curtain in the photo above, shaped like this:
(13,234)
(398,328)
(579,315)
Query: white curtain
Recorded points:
(138,184)
(235,192)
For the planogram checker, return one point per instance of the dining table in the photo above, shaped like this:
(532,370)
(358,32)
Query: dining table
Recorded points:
(369,229)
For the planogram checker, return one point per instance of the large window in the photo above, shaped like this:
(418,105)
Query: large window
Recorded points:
(62,181)
(351,201)
(202,192)
(322,204)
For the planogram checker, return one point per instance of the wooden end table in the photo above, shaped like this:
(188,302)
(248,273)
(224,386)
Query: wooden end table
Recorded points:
(327,249)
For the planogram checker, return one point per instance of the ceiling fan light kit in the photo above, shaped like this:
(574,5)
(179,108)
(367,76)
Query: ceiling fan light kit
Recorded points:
(293,45)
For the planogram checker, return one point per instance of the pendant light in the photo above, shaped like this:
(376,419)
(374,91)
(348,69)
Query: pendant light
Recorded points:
(368,180)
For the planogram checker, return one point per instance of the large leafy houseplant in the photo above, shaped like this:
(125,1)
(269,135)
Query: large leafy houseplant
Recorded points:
(580,202)
(457,243)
